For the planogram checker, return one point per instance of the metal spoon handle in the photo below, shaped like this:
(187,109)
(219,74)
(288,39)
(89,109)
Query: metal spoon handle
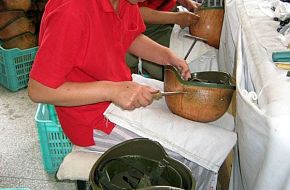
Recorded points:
(193,43)
(160,94)
(188,52)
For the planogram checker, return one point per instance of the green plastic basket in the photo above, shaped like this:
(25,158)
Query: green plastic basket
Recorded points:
(54,144)
(15,65)
(14,189)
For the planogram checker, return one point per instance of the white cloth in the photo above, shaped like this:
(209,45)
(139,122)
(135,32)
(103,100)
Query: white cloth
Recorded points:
(202,56)
(262,153)
(282,10)
(77,165)
(206,144)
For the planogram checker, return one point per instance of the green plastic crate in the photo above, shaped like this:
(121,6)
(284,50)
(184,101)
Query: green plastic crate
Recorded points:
(54,144)
(14,189)
(15,65)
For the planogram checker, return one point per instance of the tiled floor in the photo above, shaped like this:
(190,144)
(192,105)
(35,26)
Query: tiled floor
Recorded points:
(20,156)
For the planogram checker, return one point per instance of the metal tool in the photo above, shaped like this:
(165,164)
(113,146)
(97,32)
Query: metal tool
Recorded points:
(195,37)
(193,43)
(188,52)
(160,94)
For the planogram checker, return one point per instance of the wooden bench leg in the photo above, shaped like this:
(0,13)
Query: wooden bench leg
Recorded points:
(225,172)
(83,185)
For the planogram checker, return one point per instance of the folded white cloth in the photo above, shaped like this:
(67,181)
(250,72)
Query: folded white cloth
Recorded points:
(282,10)
(202,56)
(206,144)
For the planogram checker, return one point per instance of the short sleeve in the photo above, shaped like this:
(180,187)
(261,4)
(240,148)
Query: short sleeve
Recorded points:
(61,46)
(135,26)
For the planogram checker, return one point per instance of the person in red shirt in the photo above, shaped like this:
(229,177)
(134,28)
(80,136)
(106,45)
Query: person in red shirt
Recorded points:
(160,17)
(80,65)
(80,68)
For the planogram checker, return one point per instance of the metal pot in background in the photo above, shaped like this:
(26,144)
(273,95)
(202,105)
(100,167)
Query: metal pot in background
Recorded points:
(209,25)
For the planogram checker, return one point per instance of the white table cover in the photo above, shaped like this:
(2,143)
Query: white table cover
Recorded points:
(262,154)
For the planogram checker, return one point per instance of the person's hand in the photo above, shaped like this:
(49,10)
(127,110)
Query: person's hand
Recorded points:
(181,65)
(130,95)
(190,5)
(185,19)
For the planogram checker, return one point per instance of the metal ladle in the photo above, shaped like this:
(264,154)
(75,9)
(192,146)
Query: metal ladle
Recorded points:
(193,43)
(189,51)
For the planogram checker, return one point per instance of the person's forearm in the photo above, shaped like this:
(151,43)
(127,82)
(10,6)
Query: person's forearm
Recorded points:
(72,93)
(151,16)
(149,50)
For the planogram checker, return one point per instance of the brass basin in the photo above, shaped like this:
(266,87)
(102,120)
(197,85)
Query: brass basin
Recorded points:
(16,27)
(209,96)
(9,16)
(16,5)
(209,25)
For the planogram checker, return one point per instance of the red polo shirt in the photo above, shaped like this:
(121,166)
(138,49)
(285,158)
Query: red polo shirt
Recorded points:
(84,41)
(161,5)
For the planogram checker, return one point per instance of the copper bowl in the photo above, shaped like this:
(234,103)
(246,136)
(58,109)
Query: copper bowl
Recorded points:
(16,27)
(17,4)
(22,41)
(208,98)
(6,17)
(209,25)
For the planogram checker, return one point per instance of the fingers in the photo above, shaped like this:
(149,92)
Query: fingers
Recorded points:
(194,17)
(187,19)
(146,97)
(193,6)
(182,66)
(186,75)
(144,101)
(185,71)
(190,5)
(194,20)
(142,96)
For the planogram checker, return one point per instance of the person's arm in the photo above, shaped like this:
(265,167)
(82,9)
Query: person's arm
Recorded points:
(127,95)
(183,19)
(147,49)
(152,16)
(190,5)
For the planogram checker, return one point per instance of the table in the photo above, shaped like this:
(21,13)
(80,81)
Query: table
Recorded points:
(262,154)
